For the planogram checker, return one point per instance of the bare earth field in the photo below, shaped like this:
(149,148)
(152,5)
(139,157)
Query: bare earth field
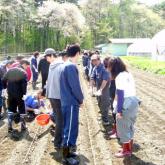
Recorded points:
(35,147)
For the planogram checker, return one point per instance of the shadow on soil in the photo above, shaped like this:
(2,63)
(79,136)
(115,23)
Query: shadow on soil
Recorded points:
(133,160)
(57,156)
(18,136)
(44,133)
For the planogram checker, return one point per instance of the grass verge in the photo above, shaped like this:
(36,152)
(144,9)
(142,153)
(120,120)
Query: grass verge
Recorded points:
(145,63)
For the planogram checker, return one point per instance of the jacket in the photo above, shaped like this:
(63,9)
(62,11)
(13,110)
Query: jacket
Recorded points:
(15,80)
(71,93)
(53,82)
(43,67)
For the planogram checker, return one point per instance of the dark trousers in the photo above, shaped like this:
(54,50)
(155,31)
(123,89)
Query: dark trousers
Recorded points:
(56,105)
(16,102)
(1,101)
(112,92)
(44,79)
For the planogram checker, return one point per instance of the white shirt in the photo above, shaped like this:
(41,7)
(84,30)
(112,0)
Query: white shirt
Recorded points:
(124,81)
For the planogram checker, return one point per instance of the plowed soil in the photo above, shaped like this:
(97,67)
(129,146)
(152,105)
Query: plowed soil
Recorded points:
(35,146)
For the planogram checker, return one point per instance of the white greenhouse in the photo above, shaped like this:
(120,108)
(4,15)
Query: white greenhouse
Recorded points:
(142,47)
(159,46)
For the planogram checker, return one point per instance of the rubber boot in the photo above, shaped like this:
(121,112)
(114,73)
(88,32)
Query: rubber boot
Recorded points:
(126,151)
(113,130)
(131,146)
(10,121)
(113,133)
(23,123)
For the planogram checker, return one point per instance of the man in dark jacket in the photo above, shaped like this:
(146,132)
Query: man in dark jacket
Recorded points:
(15,80)
(43,68)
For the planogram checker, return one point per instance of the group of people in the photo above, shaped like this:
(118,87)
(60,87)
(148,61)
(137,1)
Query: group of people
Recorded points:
(114,88)
(65,95)
(109,81)
(60,84)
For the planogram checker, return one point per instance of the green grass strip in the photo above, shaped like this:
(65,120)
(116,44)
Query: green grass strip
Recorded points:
(145,63)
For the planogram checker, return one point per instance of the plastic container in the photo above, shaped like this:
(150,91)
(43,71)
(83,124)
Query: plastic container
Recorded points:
(43,119)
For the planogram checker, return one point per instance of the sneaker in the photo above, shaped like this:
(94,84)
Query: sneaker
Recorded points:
(106,123)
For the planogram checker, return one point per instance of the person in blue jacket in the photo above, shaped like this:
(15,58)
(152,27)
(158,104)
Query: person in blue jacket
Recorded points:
(34,68)
(71,99)
(101,78)
(33,103)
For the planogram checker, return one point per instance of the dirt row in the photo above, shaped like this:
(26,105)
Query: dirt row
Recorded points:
(35,147)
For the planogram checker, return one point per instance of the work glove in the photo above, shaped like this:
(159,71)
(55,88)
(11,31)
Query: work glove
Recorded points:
(98,93)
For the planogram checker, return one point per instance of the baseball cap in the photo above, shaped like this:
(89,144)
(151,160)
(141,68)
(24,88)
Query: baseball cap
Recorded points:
(49,51)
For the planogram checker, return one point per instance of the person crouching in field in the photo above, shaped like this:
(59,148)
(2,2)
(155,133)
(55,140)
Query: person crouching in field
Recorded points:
(15,80)
(32,105)
(127,105)
(71,99)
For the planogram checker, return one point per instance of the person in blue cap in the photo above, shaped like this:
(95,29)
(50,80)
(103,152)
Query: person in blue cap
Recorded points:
(71,99)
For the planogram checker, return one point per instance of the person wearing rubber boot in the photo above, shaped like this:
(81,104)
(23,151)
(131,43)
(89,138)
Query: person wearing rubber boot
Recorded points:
(53,93)
(127,105)
(15,80)
(101,77)
(34,69)
(71,99)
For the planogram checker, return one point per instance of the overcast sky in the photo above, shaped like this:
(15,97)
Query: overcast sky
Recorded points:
(148,2)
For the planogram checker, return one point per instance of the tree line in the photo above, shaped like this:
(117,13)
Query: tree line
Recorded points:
(27,25)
